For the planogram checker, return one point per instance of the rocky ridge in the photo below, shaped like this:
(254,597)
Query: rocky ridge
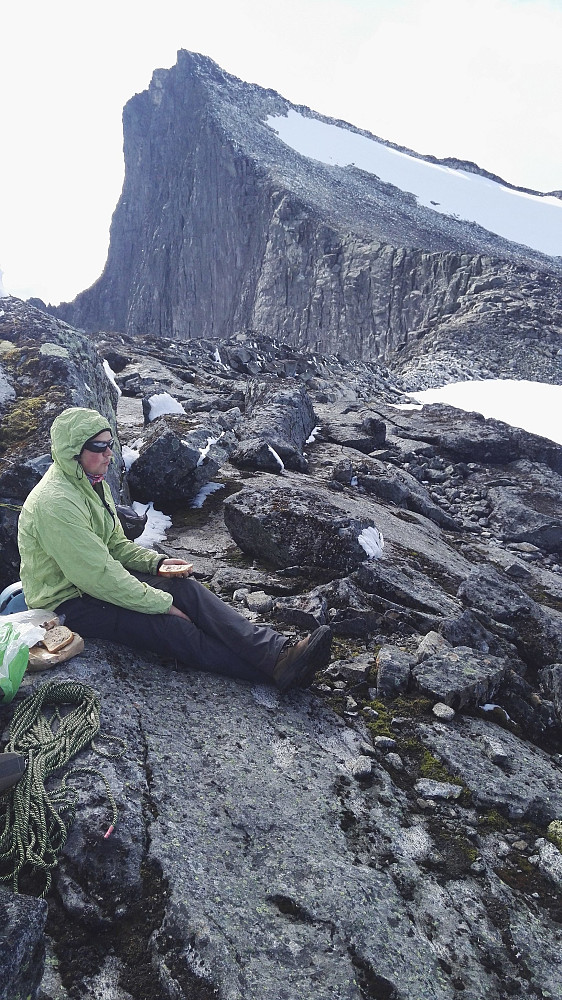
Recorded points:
(391,833)
(222,228)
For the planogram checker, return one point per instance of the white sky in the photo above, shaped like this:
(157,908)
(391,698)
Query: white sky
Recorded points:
(534,406)
(476,79)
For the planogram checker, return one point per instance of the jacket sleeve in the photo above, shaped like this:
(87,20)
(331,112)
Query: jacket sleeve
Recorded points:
(134,557)
(85,560)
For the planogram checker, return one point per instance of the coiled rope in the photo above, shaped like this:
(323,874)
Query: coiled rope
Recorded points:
(34,822)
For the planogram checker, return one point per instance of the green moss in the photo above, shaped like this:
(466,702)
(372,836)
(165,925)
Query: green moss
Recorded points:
(412,707)
(21,421)
(432,767)
(554,833)
(380,726)
(493,820)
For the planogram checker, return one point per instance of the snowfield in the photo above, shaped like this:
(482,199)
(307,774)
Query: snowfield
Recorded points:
(532,220)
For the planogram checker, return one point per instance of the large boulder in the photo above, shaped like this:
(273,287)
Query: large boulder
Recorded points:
(277,423)
(292,527)
(537,631)
(528,515)
(177,457)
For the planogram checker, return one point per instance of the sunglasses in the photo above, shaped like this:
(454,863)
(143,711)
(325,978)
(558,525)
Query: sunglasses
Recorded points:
(98,447)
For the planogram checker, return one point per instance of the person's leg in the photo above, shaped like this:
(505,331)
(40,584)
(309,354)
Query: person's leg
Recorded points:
(259,645)
(167,635)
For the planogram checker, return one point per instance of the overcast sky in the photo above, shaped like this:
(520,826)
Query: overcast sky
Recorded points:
(476,79)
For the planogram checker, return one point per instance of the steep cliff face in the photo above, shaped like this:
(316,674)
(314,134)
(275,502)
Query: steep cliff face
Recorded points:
(223,227)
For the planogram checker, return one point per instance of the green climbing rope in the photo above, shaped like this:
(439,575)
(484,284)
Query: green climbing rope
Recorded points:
(34,821)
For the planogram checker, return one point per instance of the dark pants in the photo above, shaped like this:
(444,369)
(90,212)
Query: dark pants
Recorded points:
(216,639)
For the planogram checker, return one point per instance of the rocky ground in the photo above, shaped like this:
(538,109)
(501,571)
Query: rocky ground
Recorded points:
(395,831)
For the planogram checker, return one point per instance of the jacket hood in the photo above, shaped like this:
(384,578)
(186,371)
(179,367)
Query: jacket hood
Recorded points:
(69,432)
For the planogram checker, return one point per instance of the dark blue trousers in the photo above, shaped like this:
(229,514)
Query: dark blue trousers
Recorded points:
(217,638)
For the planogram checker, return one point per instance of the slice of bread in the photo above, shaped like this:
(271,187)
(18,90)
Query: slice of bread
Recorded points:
(57,638)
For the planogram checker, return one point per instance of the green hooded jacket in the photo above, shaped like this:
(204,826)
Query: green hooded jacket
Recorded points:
(70,542)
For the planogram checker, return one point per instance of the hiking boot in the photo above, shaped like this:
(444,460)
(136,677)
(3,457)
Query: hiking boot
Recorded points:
(296,665)
(12,768)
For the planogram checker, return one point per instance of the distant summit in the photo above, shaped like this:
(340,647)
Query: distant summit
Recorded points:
(241,211)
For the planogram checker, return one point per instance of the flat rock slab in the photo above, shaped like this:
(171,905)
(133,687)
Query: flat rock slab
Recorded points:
(249,837)
(460,676)
(530,788)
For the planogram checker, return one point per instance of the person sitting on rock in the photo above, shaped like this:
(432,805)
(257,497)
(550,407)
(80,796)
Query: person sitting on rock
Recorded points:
(76,561)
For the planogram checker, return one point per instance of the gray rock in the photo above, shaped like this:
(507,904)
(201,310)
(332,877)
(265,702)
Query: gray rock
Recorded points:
(394,667)
(529,790)
(537,631)
(429,789)
(295,527)
(395,761)
(550,862)
(360,767)
(551,684)
(443,712)
(384,743)
(176,459)
(305,610)
(275,419)
(431,644)
(460,676)
(22,921)
(259,602)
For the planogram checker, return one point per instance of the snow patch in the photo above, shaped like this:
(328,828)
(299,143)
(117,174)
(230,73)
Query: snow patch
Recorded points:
(111,375)
(217,357)
(204,492)
(156,526)
(312,436)
(277,458)
(203,452)
(162,403)
(532,220)
(534,406)
(372,542)
(129,455)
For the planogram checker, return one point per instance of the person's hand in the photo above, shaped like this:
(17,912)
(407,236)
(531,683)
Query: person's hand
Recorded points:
(175,567)
(179,614)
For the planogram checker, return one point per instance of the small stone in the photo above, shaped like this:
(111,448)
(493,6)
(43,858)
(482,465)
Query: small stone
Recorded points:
(395,761)
(429,789)
(520,845)
(443,712)
(367,749)
(478,867)
(340,686)
(371,713)
(360,767)
(259,602)
(240,595)
(431,644)
(384,743)
(350,704)
(503,850)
